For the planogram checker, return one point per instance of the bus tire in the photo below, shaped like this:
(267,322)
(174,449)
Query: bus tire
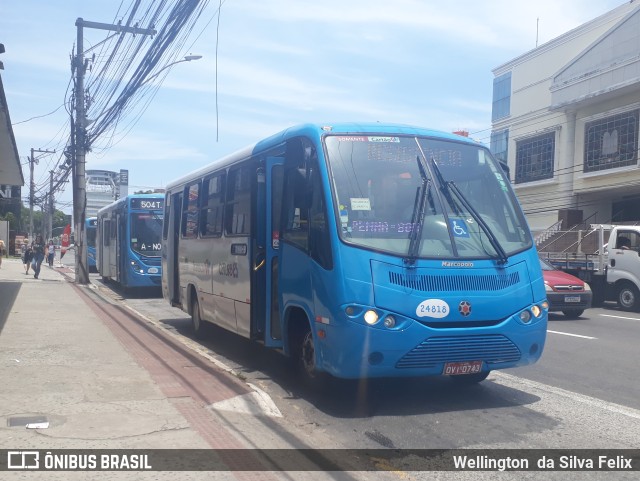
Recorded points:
(197,323)
(628,297)
(304,359)
(469,379)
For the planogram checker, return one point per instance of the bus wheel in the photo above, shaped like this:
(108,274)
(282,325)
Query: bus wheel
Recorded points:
(308,356)
(468,379)
(196,321)
(628,298)
(306,361)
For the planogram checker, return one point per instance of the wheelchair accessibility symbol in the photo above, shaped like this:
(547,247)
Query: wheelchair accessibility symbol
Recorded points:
(459,228)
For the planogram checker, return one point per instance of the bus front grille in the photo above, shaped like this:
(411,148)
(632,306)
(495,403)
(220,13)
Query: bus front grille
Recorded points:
(490,348)
(455,283)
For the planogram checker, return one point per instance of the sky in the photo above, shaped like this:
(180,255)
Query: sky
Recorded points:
(269,64)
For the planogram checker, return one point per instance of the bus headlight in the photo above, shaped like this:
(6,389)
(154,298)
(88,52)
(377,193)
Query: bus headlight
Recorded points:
(536,311)
(371,317)
(390,322)
(136,267)
(525,317)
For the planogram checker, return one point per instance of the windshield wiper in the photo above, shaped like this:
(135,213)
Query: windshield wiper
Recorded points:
(450,186)
(417,216)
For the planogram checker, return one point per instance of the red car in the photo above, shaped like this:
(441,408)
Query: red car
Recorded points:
(565,292)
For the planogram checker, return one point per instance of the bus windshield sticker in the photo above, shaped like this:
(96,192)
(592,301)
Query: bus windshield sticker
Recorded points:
(346,138)
(459,228)
(344,214)
(360,203)
(433,308)
(503,184)
(384,139)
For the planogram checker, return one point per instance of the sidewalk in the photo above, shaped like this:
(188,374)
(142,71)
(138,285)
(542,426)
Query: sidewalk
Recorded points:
(62,365)
(88,375)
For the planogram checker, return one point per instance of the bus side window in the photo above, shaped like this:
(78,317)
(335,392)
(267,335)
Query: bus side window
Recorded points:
(237,215)
(190,211)
(212,205)
(319,242)
(295,209)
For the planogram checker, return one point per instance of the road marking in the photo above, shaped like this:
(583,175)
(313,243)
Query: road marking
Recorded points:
(572,335)
(256,402)
(574,396)
(621,317)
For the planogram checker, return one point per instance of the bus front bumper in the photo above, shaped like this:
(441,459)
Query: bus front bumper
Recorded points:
(349,349)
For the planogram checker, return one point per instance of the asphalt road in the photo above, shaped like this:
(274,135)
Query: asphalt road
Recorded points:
(596,355)
(583,394)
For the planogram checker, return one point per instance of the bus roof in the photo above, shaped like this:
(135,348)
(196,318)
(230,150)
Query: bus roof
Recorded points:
(316,131)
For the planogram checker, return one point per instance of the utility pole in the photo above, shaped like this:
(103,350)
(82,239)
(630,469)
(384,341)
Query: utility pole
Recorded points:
(81,144)
(51,206)
(32,186)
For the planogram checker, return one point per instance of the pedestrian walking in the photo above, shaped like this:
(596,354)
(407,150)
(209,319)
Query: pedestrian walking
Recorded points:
(27,256)
(51,253)
(1,251)
(38,255)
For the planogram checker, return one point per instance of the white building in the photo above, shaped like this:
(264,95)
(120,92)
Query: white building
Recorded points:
(102,190)
(566,119)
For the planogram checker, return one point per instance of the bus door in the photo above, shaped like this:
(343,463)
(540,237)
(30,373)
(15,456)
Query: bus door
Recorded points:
(121,243)
(265,281)
(109,263)
(173,265)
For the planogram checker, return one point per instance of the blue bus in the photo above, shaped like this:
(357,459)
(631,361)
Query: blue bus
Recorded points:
(360,250)
(90,227)
(128,241)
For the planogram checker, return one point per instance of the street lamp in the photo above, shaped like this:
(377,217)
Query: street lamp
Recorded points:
(187,58)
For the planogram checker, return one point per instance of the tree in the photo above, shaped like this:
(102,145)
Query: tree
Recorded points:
(13,221)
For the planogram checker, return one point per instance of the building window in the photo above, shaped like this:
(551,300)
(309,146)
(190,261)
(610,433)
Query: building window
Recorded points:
(611,142)
(500,145)
(534,158)
(501,97)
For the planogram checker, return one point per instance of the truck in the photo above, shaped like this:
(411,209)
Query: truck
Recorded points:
(613,271)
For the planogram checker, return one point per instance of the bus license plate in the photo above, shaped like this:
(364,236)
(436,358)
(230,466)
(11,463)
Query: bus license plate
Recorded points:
(461,368)
(571,298)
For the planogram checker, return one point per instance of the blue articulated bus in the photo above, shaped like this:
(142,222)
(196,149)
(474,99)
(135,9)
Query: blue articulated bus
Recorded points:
(128,241)
(90,227)
(360,250)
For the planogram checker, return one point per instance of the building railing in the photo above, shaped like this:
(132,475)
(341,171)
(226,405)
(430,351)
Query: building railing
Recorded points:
(578,228)
(548,233)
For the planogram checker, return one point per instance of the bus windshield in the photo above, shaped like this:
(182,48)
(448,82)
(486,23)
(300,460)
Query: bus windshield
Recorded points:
(146,231)
(453,195)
